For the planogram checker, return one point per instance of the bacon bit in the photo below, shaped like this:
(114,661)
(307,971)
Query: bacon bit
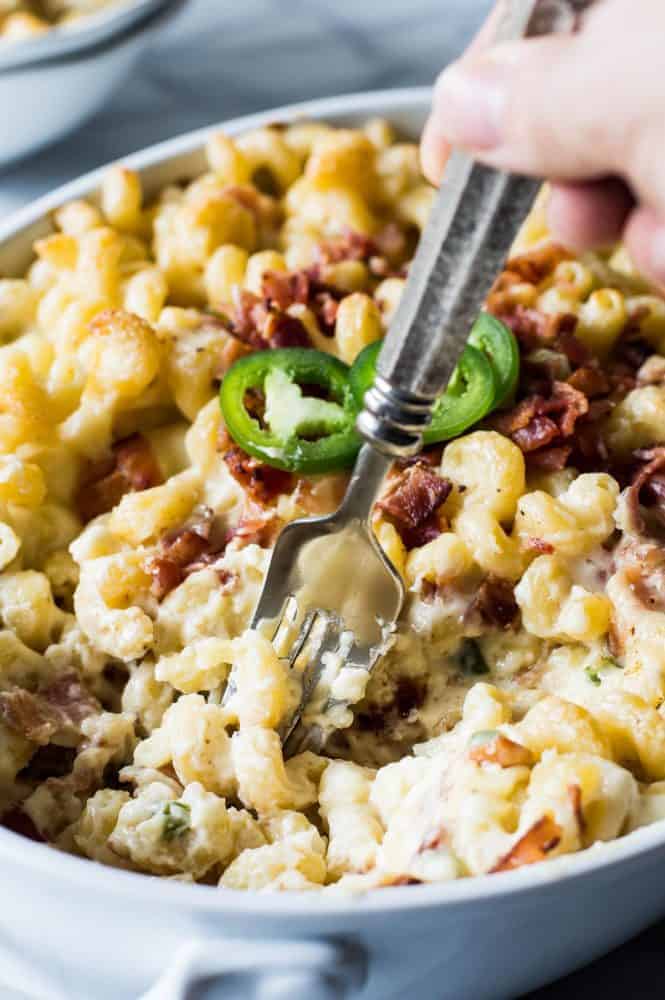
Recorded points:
(534,845)
(325,307)
(351,246)
(590,381)
(183,551)
(68,697)
(249,317)
(645,572)
(590,449)
(567,343)
(615,640)
(502,751)
(550,459)
(539,545)
(647,487)
(61,704)
(538,421)
(575,795)
(411,504)
(166,576)
(261,482)
(131,467)
(283,330)
(281,290)
(433,840)
(495,602)
(261,530)
(400,880)
(536,265)
(49,761)
(19,822)
(430,455)
(539,432)
(570,403)
(631,350)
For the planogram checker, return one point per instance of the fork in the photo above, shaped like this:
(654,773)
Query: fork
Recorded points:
(331,598)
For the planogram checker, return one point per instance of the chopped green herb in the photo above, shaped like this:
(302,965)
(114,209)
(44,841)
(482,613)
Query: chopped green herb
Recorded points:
(177,817)
(482,737)
(471,659)
(609,661)
(593,675)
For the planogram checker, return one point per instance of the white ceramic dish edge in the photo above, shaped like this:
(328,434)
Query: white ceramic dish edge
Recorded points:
(489,937)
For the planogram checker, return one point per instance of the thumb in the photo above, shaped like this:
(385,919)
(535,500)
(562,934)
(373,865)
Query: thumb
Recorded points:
(568,108)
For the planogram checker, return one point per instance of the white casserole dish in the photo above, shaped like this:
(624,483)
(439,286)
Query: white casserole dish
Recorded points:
(74,930)
(50,86)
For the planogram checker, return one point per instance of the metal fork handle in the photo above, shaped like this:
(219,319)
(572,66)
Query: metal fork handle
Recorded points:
(475,219)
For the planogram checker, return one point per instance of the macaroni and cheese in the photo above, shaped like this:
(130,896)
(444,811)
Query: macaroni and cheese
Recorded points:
(519,713)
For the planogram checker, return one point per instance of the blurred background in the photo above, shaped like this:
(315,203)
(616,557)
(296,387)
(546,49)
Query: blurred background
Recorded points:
(221,58)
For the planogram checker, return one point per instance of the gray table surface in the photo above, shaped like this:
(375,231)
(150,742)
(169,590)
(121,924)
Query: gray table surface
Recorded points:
(222,59)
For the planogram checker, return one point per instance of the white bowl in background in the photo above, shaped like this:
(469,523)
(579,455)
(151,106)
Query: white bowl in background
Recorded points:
(76,35)
(46,92)
(71,929)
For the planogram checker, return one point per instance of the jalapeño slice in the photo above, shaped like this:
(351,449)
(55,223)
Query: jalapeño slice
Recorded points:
(468,398)
(297,432)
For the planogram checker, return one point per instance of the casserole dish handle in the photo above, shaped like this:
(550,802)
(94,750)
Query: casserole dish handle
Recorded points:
(243,969)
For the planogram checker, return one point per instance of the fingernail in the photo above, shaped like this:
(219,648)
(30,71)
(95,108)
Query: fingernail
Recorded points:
(470,100)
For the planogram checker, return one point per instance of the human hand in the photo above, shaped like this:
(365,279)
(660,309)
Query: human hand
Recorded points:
(586,111)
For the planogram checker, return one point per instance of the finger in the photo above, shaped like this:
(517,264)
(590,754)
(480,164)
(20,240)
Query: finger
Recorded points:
(434,151)
(558,106)
(644,237)
(589,215)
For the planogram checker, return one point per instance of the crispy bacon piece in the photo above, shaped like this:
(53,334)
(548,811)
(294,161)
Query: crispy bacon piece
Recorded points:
(569,404)
(575,795)
(131,467)
(349,246)
(62,704)
(540,546)
(539,432)
(591,381)
(534,845)
(261,530)
(550,459)
(183,551)
(281,290)
(648,487)
(536,265)
(283,330)
(166,576)
(411,504)
(537,422)
(495,602)
(261,482)
(257,324)
(644,565)
(398,880)
(305,287)
(567,343)
(19,822)
(502,751)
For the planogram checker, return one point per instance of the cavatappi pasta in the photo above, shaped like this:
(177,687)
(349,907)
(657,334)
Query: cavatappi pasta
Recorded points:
(519,713)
